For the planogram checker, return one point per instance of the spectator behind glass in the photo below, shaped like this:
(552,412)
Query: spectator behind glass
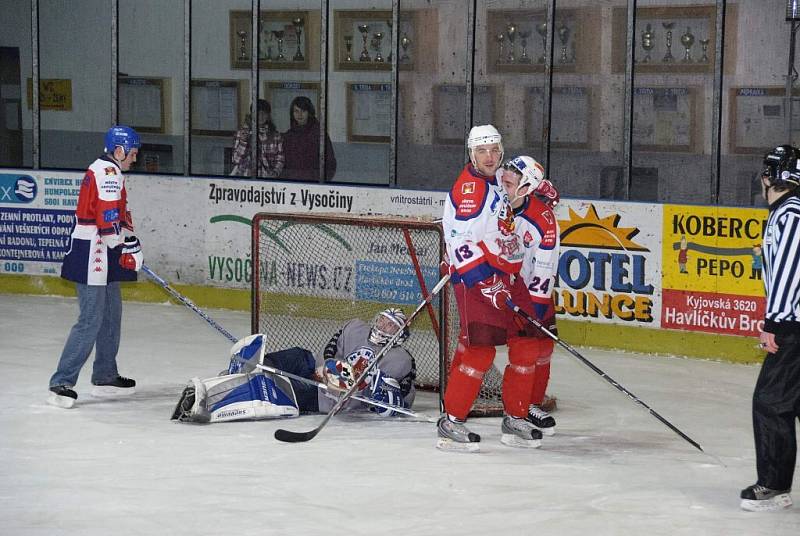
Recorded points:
(301,144)
(270,146)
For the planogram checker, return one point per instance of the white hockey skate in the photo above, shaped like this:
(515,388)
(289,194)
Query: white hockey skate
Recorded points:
(541,420)
(455,436)
(62,396)
(520,433)
(757,498)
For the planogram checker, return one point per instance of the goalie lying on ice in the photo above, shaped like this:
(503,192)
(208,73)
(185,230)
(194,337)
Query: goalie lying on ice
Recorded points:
(247,390)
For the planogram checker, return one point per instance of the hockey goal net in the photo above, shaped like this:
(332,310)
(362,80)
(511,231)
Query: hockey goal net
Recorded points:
(312,273)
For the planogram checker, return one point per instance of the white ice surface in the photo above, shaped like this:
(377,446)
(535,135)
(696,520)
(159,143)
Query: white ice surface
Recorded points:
(121,467)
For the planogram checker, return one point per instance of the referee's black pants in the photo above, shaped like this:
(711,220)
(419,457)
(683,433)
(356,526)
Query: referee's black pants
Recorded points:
(776,404)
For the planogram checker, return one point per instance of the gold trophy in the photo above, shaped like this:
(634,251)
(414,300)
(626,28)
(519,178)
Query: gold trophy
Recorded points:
(687,40)
(364,29)
(298,30)
(348,45)
(377,38)
(648,42)
(668,57)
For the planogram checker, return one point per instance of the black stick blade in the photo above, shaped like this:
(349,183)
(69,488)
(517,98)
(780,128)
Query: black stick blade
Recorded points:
(287,436)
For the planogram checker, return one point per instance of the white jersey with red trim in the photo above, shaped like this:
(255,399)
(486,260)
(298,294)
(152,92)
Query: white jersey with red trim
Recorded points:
(479,229)
(101,216)
(537,226)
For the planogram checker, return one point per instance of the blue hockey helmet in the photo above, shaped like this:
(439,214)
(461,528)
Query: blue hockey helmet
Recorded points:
(121,136)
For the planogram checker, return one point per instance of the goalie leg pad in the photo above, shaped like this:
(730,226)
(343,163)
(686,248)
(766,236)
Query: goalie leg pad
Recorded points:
(250,396)
(250,349)
(192,405)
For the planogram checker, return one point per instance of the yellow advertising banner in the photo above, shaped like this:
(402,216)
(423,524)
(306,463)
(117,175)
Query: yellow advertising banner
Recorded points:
(712,269)
(54,94)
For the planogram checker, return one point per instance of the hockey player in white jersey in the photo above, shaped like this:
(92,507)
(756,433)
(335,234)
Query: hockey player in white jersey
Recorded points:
(246,391)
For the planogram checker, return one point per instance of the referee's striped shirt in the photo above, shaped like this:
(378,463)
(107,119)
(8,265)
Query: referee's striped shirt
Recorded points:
(782,263)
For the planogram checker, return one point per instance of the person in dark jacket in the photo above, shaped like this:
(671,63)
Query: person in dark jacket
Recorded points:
(301,144)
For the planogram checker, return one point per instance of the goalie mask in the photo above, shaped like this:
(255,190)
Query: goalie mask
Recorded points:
(782,167)
(532,173)
(386,324)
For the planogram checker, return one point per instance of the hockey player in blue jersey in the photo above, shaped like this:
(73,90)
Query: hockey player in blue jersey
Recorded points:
(248,390)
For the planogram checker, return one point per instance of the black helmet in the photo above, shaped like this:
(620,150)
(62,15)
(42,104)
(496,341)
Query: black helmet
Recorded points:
(783,167)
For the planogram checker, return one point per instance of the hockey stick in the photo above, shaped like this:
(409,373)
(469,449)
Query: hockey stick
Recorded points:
(190,304)
(298,437)
(602,374)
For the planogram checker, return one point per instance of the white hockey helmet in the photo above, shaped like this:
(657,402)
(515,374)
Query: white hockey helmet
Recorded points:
(532,173)
(483,135)
(386,324)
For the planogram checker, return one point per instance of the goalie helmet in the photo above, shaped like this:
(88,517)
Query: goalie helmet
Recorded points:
(386,324)
(782,167)
(532,173)
(483,135)
(121,136)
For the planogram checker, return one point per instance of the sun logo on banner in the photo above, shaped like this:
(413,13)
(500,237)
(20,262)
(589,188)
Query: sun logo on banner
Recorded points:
(591,231)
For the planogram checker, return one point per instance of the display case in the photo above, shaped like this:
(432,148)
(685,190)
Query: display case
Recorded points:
(666,119)
(217,106)
(284,39)
(144,103)
(368,112)
(757,119)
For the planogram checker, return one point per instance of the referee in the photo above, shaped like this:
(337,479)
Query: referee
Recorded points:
(776,398)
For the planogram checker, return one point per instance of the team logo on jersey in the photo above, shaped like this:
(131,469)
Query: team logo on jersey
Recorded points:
(509,249)
(110,171)
(527,240)
(111,215)
(468,188)
(505,221)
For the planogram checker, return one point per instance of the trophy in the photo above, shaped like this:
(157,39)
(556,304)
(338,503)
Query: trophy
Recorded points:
(687,40)
(524,35)
(348,45)
(668,58)
(364,29)
(298,30)
(563,36)
(541,29)
(647,42)
(511,33)
(377,37)
(405,42)
(243,55)
(279,36)
(704,44)
(500,38)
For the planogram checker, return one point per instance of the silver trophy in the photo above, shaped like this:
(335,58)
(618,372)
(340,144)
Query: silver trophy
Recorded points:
(279,37)
(648,42)
(500,38)
(243,55)
(348,45)
(377,39)
(298,30)
(524,35)
(405,42)
(364,29)
(511,33)
(668,57)
(687,40)
(541,29)
(704,45)
(563,36)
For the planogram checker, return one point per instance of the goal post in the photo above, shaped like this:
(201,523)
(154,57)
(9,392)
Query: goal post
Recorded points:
(312,273)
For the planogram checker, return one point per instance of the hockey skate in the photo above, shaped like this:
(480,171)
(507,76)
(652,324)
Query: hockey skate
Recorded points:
(62,396)
(455,436)
(757,498)
(520,433)
(541,420)
(117,386)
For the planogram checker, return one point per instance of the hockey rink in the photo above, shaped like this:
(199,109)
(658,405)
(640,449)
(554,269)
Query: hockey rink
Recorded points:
(122,467)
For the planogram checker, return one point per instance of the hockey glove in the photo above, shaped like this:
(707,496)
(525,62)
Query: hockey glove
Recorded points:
(131,258)
(546,315)
(495,291)
(387,390)
(547,193)
(338,375)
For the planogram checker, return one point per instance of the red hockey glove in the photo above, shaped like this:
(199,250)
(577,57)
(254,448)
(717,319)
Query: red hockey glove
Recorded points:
(131,258)
(495,292)
(547,193)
